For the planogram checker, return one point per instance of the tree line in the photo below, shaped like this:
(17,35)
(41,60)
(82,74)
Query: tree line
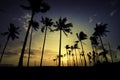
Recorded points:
(39,6)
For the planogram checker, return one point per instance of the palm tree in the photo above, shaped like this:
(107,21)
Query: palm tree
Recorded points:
(47,25)
(72,47)
(94,44)
(118,47)
(89,57)
(55,60)
(61,25)
(76,47)
(110,52)
(36,6)
(100,31)
(12,33)
(82,36)
(67,47)
(35,26)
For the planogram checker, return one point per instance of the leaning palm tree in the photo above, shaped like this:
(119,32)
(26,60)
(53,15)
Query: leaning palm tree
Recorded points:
(12,33)
(35,26)
(61,25)
(36,6)
(82,36)
(47,25)
(100,31)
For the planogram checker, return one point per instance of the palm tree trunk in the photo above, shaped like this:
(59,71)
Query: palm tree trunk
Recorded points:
(96,51)
(29,47)
(110,52)
(43,46)
(83,53)
(67,57)
(80,58)
(62,62)
(76,58)
(20,64)
(103,49)
(60,48)
(73,61)
(4,49)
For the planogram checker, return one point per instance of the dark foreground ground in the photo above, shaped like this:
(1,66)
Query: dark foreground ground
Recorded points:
(98,72)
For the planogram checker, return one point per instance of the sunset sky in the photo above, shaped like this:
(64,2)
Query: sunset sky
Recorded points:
(83,14)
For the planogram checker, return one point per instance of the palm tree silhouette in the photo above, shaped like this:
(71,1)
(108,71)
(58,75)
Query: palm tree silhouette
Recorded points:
(72,47)
(47,25)
(35,26)
(118,48)
(76,42)
(35,6)
(67,47)
(12,33)
(82,36)
(100,31)
(61,25)
(76,47)
(110,52)
(55,60)
(94,44)
(89,57)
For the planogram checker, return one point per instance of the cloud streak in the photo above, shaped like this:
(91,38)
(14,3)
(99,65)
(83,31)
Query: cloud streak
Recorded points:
(92,18)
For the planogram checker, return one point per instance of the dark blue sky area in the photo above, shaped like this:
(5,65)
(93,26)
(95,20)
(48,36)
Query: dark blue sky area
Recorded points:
(87,12)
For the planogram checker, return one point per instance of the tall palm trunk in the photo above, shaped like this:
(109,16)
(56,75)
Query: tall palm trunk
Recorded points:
(110,52)
(60,48)
(29,48)
(83,53)
(62,62)
(80,58)
(4,49)
(76,58)
(96,51)
(67,57)
(20,64)
(103,49)
(43,46)
(73,58)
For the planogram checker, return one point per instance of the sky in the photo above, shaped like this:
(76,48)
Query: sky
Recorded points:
(83,14)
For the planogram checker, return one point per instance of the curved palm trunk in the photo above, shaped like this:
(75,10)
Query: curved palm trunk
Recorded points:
(83,53)
(20,64)
(103,49)
(43,46)
(60,48)
(29,48)
(76,58)
(4,49)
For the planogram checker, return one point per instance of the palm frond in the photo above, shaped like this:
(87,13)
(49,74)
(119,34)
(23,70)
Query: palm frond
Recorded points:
(25,7)
(42,29)
(5,33)
(65,33)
